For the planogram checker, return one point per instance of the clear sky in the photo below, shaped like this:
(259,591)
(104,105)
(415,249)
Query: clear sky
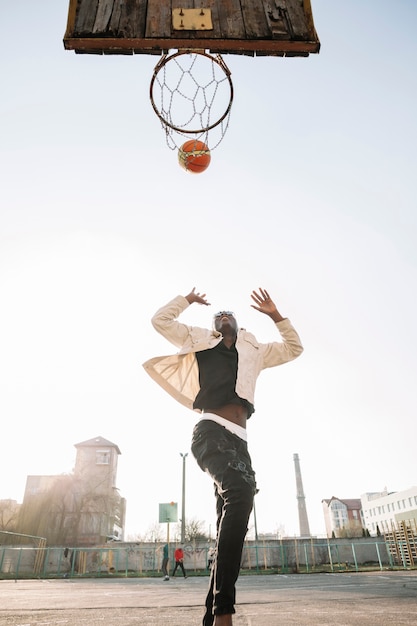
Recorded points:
(311,194)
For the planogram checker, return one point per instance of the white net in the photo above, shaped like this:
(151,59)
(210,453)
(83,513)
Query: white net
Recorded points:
(192,93)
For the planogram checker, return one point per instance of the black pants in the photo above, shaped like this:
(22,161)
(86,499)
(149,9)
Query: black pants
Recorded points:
(177,565)
(165,566)
(224,456)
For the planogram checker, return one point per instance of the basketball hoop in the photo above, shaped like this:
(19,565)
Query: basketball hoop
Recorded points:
(191,92)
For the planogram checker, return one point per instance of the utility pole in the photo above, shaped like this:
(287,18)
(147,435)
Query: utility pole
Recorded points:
(184,456)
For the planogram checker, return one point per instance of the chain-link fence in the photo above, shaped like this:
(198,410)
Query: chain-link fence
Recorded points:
(128,559)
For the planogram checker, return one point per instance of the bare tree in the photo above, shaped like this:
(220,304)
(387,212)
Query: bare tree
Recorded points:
(194,530)
(9,513)
(350,530)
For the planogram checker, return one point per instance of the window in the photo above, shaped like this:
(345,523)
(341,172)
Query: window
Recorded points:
(102,457)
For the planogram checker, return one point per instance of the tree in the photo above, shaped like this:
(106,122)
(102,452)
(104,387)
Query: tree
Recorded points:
(9,513)
(46,514)
(194,531)
(155,533)
(352,529)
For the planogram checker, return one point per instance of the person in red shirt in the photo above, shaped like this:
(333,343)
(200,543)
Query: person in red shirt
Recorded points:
(179,561)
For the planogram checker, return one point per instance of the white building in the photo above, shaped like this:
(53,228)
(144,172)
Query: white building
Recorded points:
(383,511)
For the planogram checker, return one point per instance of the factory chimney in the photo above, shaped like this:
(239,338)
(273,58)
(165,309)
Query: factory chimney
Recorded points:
(302,510)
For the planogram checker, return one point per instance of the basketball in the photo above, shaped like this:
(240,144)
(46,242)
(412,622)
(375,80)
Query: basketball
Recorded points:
(194,156)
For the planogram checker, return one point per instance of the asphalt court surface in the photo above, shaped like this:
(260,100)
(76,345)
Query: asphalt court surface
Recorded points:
(345,599)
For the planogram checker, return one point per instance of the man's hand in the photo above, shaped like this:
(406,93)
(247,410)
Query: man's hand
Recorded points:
(264,304)
(198,297)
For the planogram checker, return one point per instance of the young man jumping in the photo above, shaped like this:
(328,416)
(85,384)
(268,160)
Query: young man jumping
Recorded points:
(215,373)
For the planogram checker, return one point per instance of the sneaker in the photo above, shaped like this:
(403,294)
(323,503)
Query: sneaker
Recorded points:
(166,578)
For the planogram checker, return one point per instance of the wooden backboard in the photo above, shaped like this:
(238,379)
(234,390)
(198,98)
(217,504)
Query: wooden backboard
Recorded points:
(250,27)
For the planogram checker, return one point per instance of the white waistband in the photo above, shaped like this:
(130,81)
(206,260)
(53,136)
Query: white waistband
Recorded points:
(231,426)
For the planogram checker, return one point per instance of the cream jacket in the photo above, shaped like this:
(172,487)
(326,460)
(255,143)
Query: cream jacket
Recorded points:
(178,373)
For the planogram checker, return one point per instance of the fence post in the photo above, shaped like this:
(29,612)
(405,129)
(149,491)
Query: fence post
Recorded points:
(330,555)
(257,557)
(402,555)
(379,556)
(297,561)
(283,558)
(18,564)
(313,556)
(45,562)
(126,562)
(2,559)
(354,556)
(265,556)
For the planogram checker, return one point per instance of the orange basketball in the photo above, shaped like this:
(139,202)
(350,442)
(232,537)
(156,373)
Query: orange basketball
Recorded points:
(194,156)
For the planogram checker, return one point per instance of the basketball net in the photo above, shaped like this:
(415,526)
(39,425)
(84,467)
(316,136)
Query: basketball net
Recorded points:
(191,92)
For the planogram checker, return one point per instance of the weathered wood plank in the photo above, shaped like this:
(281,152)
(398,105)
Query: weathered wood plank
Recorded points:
(158,19)
(298,19)
(86,16)
(312,34)
(278,19)
(231,22)
(114,24)
(72,13)
(103,15)
(254,16)
(132,21)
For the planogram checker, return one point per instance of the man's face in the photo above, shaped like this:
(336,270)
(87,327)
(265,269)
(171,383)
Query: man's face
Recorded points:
(225,320)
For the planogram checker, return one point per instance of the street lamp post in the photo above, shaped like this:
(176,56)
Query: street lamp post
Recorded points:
(184,456)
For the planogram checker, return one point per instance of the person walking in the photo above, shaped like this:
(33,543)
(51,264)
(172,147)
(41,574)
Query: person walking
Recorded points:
(215,373)
(210,557)
(179,561)
(165,560)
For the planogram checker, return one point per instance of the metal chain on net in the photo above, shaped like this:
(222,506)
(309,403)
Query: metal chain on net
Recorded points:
(192,94)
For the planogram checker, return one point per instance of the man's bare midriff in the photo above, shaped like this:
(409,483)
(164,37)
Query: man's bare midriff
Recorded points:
(233,412)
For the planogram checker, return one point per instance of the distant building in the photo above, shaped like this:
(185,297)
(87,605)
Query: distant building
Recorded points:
(36,485)
(384,511)
(80,509)
(343,518)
